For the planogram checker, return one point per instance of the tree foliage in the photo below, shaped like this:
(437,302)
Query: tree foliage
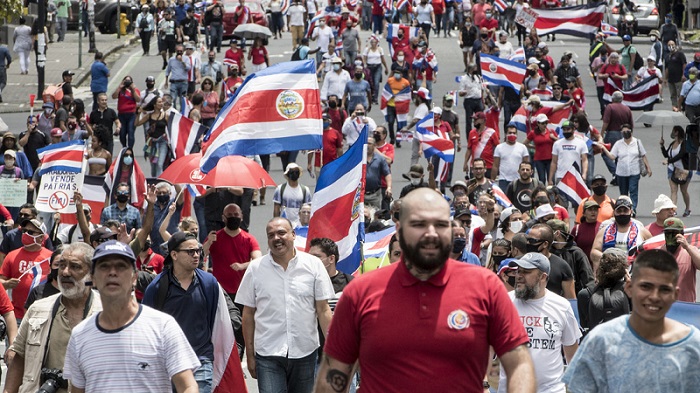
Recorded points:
(10,9)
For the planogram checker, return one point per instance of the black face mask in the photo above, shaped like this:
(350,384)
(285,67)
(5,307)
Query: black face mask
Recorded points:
(72,126)
(627,134)
(149,86)
(146,245)
(163,199)
(568,135)
(600,190)
(672,249)
(333,104)
(532,73)
(122,198)
(53,274)
(396,216)
(294,175)
(367,222)
(233,223)
(623,219)
(358,75)
(533,247)
(377,136)
(497,259)
(234,74)
(484,35)
(211,59)
(458,245)
(511,281)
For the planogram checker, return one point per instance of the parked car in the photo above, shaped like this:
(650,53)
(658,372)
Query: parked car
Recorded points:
(646,13)
(257,12)
(106,18)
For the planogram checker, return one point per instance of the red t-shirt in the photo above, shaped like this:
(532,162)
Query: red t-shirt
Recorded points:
(579,97)
(5,303)
(438,7)
(236,56)
(388,150)
(478,236)
(445,330)
(332,141)
(258,54)
(17,262)
(126,102)
(482,146)
(156,261)
(227,250)
(377,8)
(543,144)
(338,117)
(490,24)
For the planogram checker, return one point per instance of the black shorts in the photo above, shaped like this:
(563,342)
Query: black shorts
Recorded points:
(168,44)
(191,87)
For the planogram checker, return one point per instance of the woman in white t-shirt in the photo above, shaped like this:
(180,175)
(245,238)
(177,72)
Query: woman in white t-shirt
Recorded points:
(373,57)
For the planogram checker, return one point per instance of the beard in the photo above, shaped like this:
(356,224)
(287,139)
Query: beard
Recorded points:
(412,253)
(77,290)
(527,293)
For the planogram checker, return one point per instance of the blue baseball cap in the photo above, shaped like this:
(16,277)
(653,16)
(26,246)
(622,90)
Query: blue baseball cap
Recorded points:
(113,247)
(505,265)
(532,260)
(626,37)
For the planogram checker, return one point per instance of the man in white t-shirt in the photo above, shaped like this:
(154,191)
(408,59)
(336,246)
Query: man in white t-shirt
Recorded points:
(507,158)
(291,195)
(296,20)
(549,322)
(127,347)
(567,152)
(323,35)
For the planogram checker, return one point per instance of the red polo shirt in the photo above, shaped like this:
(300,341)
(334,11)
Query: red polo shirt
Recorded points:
(227,250)
(409,335)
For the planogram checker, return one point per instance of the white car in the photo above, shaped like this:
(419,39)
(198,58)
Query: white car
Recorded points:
(647,14)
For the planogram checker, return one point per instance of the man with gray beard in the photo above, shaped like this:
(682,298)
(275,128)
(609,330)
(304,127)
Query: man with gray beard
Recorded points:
(549,322)
(51,320)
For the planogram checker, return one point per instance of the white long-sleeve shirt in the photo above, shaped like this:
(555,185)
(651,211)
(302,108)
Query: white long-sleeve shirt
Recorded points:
(334,84)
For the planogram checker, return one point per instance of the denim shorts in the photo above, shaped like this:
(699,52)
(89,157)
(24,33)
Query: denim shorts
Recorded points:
(669,173)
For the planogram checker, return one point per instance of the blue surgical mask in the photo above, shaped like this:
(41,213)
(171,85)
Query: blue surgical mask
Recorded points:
(128,160)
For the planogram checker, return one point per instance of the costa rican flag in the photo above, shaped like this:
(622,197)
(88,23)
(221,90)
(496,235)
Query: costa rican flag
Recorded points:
(276,109)
(227,373)
(431,60)
(401,3)
(402,103)
(94,194)
(431,142)
(338,204)
(182,134)
(312,23)
(351,4)
(285,6)
(339,48)
(185,106)
(580,21)
(692,235)
(393,31)
(640,95)
(39,271)
(573,185)
(608,29)
(62,157)
(500,196)
(502,72)
(500,5)
(521,116)
(518,55)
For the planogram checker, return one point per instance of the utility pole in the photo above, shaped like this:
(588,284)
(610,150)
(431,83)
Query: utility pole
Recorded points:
(81,23)
(119,18)
(91,25)
(41,46)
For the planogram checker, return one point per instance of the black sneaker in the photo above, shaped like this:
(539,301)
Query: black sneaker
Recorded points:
(613,182)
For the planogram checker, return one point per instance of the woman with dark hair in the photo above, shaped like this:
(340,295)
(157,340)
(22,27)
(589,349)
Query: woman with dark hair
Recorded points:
(500,250)
(678,161)
(99,159)
(125,169)
(157,137)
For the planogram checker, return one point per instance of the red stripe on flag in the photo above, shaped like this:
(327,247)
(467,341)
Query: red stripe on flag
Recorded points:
(549,23)
(335,213)
(63,155)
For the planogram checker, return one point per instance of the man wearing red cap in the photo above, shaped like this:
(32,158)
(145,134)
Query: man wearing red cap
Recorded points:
(481,143)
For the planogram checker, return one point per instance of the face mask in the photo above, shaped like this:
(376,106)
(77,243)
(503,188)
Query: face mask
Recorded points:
(47,112)
(400,36)
(532,73)
(600,190)
(568,135)
(415,181)
(367,222)
(163,199)
(294,175)
(652,38)
(147,244)
(516,226)
(623,219)
(627,134)
(668,21)
(333,104)
(377,136)
(400,58)
(360,114)
(72,126)
(9,162)
(447,106)
(395,216)
(672,48)
(458,245)
(53,274)
(234,74)
(497,259)
(326,124)
(211,59)
(467,24)
(421,50)
(488,16)
(29,240)
(691,77)
(336,67)
(128,160)
(529,107)
(484,35)
(122,198)
(397,75)
(149,86)
(533,247)
(512,138)
(511,281)
(233,223)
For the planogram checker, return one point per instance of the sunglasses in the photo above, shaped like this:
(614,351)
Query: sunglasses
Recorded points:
(192,251)
(30,232)
(532,240)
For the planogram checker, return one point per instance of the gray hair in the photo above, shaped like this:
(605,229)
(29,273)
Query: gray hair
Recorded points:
(617,96)
(85,251)
(693,70)
(163,184)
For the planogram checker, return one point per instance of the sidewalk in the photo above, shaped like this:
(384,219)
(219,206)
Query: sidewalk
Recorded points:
(61,56)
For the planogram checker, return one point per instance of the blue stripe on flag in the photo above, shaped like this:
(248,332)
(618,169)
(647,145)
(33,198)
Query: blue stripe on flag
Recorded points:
(344,163)
(59,146)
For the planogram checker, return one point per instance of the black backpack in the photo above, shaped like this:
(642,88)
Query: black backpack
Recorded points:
(296,55)
(606,304)
(638,61)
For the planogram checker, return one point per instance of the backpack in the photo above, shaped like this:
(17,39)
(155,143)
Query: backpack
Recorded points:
(638,62)
(296,56)
(143,24)
(304,189)
(606,304)
(53,94)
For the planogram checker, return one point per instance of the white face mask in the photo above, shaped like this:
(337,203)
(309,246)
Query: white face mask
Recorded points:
(516,226)
(652,38)
(336,67)
(399,58)
(416,181)
(529,107)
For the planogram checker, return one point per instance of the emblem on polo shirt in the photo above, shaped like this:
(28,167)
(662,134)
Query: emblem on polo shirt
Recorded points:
(458,320)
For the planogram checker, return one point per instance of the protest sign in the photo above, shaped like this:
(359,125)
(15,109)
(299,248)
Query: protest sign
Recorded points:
(14,192)
(56,192)
(526,17)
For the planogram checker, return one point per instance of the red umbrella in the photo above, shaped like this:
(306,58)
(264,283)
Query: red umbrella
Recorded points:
(231,171)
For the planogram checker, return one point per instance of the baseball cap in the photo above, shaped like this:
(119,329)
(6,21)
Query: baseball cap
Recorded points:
(533,99)
(233,41)
(32,221)
(189,45)
(570,79)
(423,93)
(623,201)
(544,211)
(541,45)
(505,265)
(532,60)
(10,153)
(532,260)
(507,212)
(449,97)
(459,183)
(437,110)
(479,115)
(150,78)
(175,241)
(290,166)
(599,177)
(102,233)
(697,56)
(566,124)
(47,105)
(626,37)
(462,212)
(557,225)
(673,224)
(663,202)
(57,132)
(542,118)
(68,73)
(590,203)
(416,171)
(110,248)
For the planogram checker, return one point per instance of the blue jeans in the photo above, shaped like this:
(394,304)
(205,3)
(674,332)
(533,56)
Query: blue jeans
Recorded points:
(390,119)
(377,24)
(447,18)
(215,36)
(198,206)
(178,89)
(629,185)
(126,133)
(376,70)
(611,137)
(203,376)
(542,168)
(61,28)
(278,374)
(158,159)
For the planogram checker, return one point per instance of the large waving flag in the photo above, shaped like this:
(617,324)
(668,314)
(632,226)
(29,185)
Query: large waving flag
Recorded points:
(573,185)
(518,55)
(640,95)
(502,72)
(520,118)
(63,157)
(312,23)
(392,33)
(227,374)
(691,234)
(182,134)
(338,204)
(500,5)
(402,103)
(431,142)
(608,29)
(276,109)
(580,21)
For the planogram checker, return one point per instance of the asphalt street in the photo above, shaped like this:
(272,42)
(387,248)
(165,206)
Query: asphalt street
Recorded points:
(130,62)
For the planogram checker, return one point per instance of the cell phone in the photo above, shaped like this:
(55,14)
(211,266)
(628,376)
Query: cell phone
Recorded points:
(219,225)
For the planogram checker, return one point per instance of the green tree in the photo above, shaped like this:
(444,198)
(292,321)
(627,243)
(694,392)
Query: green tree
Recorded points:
(10,9)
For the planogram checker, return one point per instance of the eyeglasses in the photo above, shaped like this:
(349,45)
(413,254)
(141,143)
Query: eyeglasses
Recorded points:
(557,88)
(206,83)
(532,240)
(192,251)
(24,215)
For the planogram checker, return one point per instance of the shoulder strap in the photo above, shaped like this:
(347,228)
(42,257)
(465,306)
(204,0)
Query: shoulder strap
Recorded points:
(607,303)
(284,185)
(162,294)
(304,190)
(71,232)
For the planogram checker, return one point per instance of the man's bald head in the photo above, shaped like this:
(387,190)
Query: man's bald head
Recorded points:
(231,209)
(423,198)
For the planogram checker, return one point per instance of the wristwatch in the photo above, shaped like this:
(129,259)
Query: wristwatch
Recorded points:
(487,385)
